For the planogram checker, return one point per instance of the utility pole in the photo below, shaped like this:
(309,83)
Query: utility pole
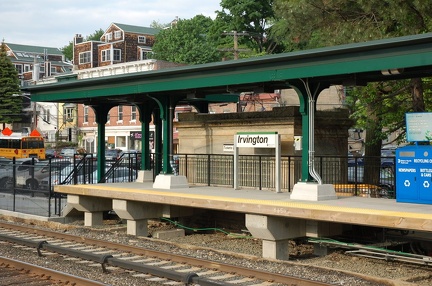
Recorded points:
(235,35)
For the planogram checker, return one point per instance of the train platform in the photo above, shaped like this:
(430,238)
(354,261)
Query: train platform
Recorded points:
(273,217)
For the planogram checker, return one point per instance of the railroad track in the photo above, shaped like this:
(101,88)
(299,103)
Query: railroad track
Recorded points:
(14,272)
(136,260)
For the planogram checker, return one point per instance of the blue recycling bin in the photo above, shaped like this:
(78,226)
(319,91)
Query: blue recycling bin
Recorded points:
(414,174)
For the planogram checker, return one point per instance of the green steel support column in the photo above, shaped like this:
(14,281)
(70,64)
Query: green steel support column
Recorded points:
(157,140)
(145,110)
(101,116)
(306,177)
(164,103)
(302,89)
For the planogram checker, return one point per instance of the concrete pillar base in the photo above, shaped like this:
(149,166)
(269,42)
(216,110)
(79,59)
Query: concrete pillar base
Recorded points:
(275,233)
(145,176)
(137,227)
(93,218)
(164,181)
(321,250)
(313,192)
(276,249)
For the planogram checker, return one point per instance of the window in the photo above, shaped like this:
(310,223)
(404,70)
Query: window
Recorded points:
(146,54)
(117,55)
(46,115)
(133,113)
(85,57)
(121,141)
(108,37)
(117,34)
(86,114)
(68,112)
(27,68)
(142,39)
(120,113)
(106,55)
(19,68)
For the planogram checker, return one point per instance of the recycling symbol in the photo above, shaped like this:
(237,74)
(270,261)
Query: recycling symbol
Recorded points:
(426,184)
(407,183)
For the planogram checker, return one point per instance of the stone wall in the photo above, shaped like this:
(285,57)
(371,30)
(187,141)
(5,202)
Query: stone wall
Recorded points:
(207,133)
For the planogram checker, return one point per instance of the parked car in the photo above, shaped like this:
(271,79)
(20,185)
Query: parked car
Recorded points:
(23,167)
(112,154)
(50,153)
(68,152)
(130,158)
(121,174)
(388,157)
(386,183)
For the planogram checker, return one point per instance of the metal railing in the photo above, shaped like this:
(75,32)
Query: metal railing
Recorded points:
(36,180)
(258,171)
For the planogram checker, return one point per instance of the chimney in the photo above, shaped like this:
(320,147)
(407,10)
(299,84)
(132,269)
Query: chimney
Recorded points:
(78,39)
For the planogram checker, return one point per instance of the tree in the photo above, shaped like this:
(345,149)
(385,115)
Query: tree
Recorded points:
(68,49)
(187,42)
(379,107)
(252,20)
(10,106)
(314,23)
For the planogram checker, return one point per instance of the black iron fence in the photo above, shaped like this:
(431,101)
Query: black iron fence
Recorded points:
(27,185)
(258,171)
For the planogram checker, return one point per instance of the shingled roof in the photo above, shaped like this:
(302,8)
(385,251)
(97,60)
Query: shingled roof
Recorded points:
(137,29)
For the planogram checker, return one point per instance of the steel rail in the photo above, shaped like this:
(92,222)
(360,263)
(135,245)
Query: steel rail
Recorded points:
(257,274)
(52,275)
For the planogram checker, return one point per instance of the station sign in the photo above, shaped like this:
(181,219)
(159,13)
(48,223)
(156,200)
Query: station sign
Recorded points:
(256,139)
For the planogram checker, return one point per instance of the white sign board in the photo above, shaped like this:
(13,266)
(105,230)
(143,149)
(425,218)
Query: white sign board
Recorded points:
(256,140)
(228,147)
(419,126)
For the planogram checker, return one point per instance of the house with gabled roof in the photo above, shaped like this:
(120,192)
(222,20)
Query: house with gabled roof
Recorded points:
(120,43)
(37,62)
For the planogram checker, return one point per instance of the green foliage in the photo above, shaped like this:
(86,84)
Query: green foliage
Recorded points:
(378,108)
(251,17)
(68,49)
(10,106)
(187,42)
(157,25)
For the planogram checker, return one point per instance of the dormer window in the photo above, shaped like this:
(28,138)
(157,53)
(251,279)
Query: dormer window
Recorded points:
(142,40)
(108,37)
(117,35)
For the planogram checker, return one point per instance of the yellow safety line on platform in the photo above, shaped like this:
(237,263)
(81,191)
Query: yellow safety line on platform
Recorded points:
(290,204)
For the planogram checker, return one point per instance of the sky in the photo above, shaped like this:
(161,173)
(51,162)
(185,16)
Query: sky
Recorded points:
(53,23)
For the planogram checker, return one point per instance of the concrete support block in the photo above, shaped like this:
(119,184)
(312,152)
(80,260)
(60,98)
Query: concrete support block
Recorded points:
(89,204)
(275,228)
(164,181)
(320,250)
(93,218)
(136,214)
(313,192)
(275,233)
(170,211)
(275,249)
(93,208)
(144,176)
(166,234)
(137,227)
(322,229)
(136,210)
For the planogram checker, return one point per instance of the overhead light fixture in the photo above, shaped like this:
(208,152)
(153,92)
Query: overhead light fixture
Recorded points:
(392,71)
